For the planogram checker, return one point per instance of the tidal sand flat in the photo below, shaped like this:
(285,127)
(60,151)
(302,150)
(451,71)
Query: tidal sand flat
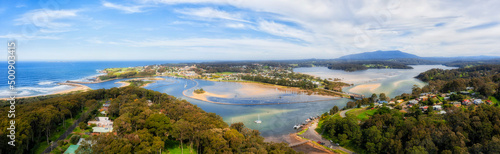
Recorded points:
(392,82)
(365,88)
(204,96)
(237,93)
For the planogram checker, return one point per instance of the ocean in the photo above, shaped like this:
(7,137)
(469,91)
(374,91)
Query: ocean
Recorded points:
(35,78)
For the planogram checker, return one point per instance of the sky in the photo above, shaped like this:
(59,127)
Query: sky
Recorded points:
(66,30)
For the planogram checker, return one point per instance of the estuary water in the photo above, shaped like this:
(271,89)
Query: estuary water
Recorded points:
(392,82)
(41,78)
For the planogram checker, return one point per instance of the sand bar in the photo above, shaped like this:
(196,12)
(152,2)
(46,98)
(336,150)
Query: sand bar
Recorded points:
(365,87)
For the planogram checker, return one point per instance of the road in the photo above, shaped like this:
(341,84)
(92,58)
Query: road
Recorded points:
(314,136)
(342,113)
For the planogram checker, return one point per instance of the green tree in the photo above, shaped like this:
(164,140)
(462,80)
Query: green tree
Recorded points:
(383,97)
(373,98)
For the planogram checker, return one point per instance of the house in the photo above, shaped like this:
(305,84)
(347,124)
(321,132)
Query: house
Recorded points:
(466,102)
(400,101)
(442,112)
(424,98)
(101,122)
(437,107)
(392,102)
(469,88)
(424,108)
(488,102)
(413,102)
(101,130)
(456,104)
(464,92)
(446,98)
(478,101)
(382,102)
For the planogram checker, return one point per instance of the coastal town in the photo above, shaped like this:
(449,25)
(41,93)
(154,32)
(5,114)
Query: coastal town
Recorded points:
(281,75)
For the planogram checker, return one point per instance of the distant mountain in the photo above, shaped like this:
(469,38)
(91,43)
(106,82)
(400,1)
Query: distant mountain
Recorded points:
(379,55)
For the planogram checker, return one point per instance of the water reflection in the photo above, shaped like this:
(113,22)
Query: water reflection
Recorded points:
(392,82)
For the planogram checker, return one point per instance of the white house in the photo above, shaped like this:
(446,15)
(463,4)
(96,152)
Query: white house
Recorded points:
(437,107)
(413,101)
(478,101)
(102,122)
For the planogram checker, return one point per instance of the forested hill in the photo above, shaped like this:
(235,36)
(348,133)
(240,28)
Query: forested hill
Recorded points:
(379,55)
(484,78)
(364,65)
(145,121)
(465,73)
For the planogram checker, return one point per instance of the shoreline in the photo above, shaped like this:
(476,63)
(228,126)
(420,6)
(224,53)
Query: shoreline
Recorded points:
(76,88)
(203,97)
(126,83)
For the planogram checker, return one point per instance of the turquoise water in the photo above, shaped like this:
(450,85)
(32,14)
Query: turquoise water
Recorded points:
(41,78)
(392,82)
(276,119)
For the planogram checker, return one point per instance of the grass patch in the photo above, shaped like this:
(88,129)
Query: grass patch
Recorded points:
(302,132)
(40,147)
(362,113)
(493,100)
(174,147)
(366,114)
(355,111)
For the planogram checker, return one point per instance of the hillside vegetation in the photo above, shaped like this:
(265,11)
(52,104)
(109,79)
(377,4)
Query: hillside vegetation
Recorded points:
(140,127)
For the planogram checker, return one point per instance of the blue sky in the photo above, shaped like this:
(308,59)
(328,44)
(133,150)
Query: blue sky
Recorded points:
(246,30)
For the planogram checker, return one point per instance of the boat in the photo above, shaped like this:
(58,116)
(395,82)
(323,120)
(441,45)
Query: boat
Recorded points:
(297,126)
(258,121)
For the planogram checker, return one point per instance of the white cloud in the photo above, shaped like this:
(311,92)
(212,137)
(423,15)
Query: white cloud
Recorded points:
(48,20)
(126,9)
(362,26)
(284,31)
(28,37)
(211,13)
(223,49)
(236,25)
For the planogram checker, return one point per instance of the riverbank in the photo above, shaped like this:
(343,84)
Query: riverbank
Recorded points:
(253,90)
(126,83)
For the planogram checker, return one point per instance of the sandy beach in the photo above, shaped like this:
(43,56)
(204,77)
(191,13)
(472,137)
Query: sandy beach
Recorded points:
(259,89)
(251,89)
(76,87)
(366,87)
(205,95)
(124,84)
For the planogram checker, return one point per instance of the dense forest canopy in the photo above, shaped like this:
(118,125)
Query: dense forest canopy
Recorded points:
(145,122)
(470,130)
(364,65)
(485,80)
